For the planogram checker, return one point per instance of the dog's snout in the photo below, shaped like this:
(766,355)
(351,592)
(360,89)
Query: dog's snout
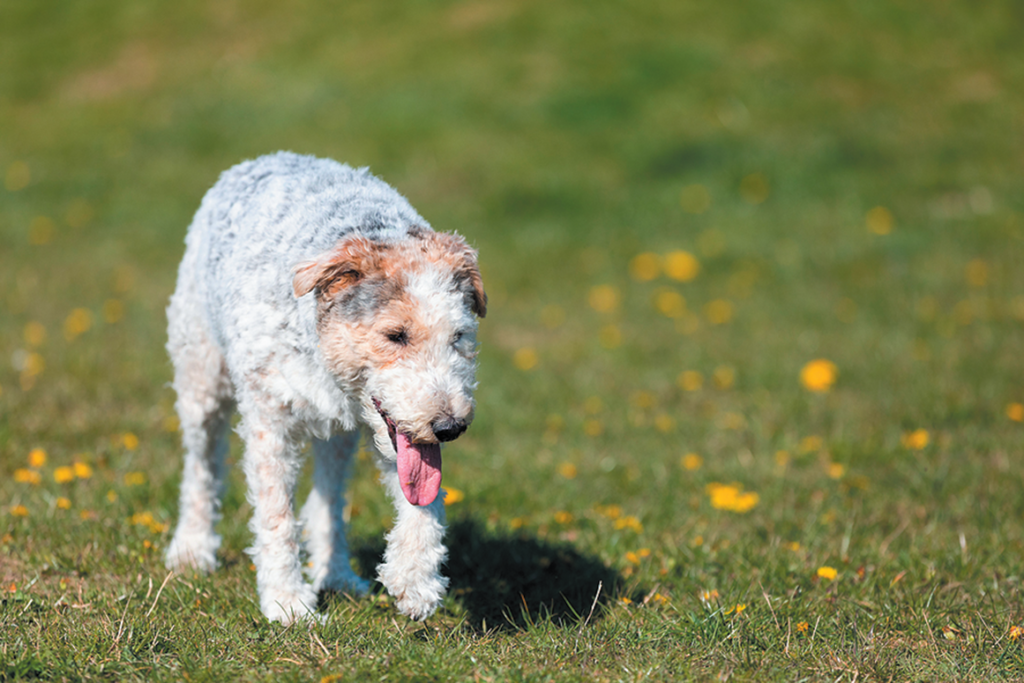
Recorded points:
(448,428)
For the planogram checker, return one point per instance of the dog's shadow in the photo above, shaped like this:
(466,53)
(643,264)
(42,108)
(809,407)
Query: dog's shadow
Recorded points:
(510,581)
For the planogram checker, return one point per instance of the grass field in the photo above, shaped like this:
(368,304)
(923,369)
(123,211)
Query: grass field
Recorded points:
(679,207)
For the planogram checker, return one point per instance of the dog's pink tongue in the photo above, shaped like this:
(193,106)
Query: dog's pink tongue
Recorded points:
(419,470)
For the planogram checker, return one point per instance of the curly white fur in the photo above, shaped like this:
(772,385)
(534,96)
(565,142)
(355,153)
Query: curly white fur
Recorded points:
(315,299)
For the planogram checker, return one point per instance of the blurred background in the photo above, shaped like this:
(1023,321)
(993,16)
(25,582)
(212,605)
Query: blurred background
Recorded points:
(678,206)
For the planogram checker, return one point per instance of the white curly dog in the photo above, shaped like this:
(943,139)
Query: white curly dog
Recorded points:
(315,299)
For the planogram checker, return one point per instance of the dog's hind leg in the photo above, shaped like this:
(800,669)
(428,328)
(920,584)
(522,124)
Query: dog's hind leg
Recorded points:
(411,570)
(323,520)
(204,406)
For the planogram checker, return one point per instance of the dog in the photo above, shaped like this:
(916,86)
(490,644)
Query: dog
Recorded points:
(315,301)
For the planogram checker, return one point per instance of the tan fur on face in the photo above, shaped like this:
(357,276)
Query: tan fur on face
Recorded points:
(358,258)
(363,297)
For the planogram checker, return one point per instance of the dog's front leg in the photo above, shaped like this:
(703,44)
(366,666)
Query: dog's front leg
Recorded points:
(411,570)
(323,519)
(271,468)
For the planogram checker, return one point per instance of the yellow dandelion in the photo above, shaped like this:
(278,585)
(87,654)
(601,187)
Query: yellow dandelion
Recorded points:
(563,517)
(629,522)
(670,303)
(802,627)
(976,273)
(737,608)
(718,312)
(793,545)
(645,267)
(525,358)
(690,380)
(19,511)
(1015,632)
(695,199)
(916,440)
(1015,411)
(731,497)
(35,334)
(516,522)
(819,375)
(129,441)
(34,365)
(632,557)
(836,471)
(827,573)
(664,423)
(811,443)
(724,376)
(112,496)
(63,503)
(659,599)
(144,518)
(567,470)
(88,515)
(625,601)
(746,501)
(691,462)
(697,541)
(36,458)
(604,298)
(78,322)
(453,495)
(63,474)
(609,511)
(879,220)
(27,476)
(733,421)
(681,265)
(134,478)
(723,496)
(82,470)
(644,552)
(709,596)
(643,399)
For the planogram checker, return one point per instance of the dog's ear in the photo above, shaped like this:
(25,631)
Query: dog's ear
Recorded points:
(462,258)
(345,265)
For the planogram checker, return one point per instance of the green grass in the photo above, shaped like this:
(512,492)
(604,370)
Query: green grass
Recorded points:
(559,138)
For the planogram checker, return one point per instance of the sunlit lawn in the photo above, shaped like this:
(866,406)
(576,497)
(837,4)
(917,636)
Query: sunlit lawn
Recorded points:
(751,398)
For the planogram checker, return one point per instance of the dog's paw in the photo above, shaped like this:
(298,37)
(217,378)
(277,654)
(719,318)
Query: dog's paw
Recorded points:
(417,606)
(289,607)
(191,552)
(416,599)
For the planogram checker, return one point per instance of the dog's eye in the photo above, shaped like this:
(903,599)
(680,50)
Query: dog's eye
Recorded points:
(458,337)
(399,337)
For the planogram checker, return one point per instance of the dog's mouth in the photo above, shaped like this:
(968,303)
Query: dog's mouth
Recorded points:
(419,464)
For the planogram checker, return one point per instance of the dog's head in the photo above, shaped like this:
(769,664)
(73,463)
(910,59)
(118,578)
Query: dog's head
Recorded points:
(398,322)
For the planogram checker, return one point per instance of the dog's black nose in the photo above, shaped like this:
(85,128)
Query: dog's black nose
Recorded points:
(448,429)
